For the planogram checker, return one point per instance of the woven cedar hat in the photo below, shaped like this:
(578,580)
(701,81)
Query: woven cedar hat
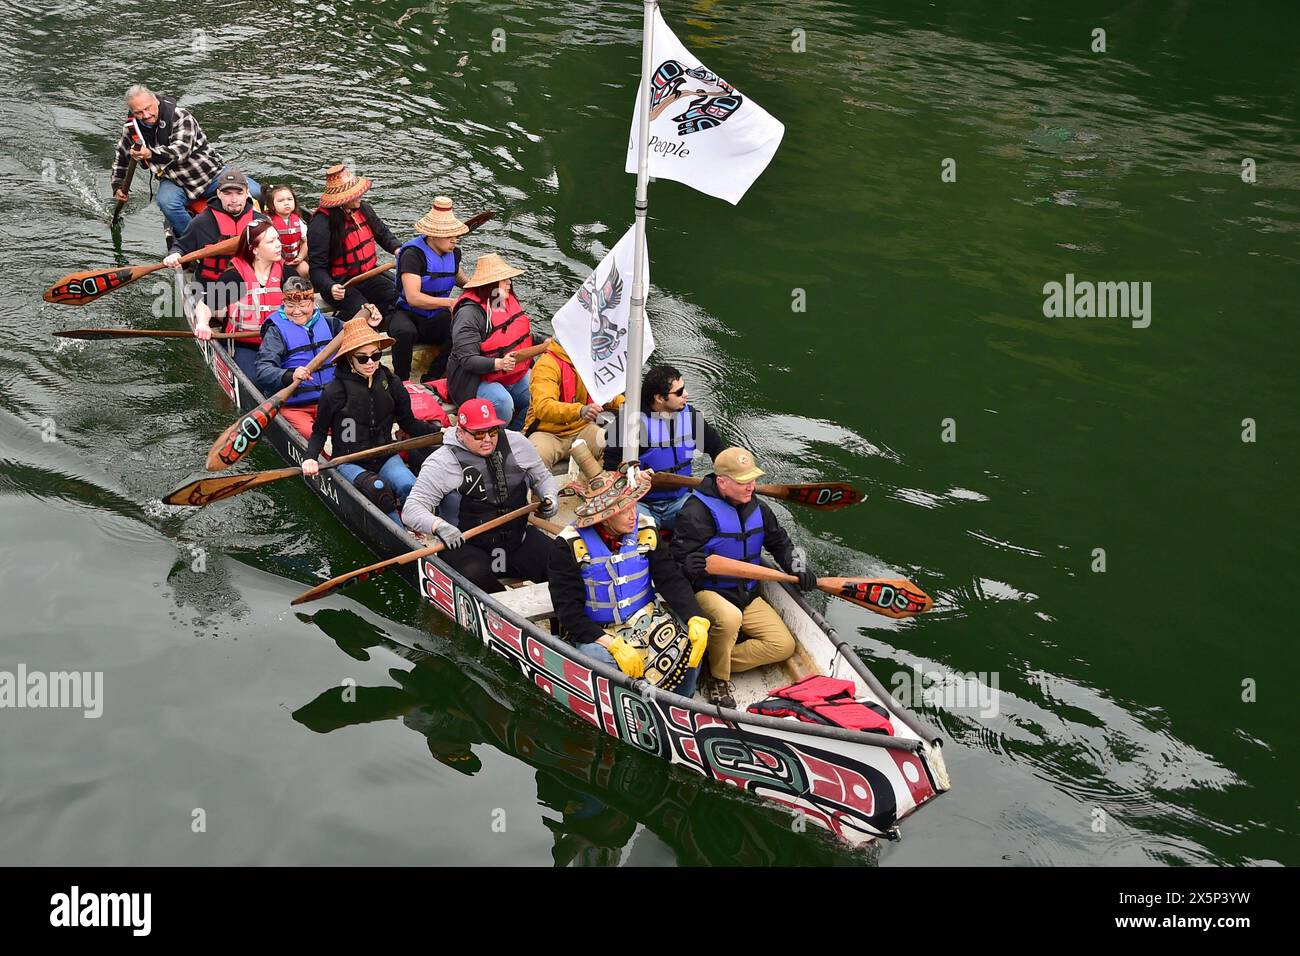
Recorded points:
(604,493)
(342,185)
(489,269)
(439,222)
(355,334)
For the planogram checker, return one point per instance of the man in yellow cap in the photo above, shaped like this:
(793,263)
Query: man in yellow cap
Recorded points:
(722,516)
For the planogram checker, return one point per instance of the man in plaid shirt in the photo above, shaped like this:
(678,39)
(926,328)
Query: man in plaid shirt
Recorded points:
(175,151)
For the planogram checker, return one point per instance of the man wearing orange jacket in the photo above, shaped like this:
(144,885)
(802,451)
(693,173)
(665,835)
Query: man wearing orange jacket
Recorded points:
(560,411)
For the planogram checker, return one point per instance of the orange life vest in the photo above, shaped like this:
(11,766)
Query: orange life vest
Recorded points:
(259,301)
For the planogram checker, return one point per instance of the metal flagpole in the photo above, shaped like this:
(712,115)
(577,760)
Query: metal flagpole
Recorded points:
(636,318)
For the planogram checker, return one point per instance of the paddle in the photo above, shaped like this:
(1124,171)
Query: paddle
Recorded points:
(472,223)
(532,351)
(78,288)
(199,494)
(892,597)
(238,440)
(126,188)
(145,333)
(825,495)
(362,574)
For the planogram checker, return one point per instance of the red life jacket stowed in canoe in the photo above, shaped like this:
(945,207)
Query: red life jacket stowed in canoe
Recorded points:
(210,269)
(426,405)
(259,301)
(826,700)
(356,248)
(510,330)
(291,232)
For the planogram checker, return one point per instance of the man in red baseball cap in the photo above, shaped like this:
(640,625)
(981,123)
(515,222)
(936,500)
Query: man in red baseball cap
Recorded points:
(480,472)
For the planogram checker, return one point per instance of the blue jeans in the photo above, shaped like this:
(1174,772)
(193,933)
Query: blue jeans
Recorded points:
(510,402)
(394,472)
(598,653)
(664,511)
(172,200)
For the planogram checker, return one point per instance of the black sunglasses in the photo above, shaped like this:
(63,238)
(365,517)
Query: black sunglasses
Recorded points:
(368,357)
(679,392)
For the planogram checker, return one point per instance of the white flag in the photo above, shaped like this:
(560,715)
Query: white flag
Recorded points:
(592,326)
(703,132)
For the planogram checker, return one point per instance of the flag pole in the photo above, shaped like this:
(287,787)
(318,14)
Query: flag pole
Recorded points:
(631,418)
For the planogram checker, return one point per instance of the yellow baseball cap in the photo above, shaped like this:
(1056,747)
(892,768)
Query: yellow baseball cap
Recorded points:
(737,464)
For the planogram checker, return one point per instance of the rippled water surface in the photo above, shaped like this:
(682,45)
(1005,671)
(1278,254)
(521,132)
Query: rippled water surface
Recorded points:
(1144,713)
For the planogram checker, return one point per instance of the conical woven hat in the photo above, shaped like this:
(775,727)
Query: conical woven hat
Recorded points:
(439,222)
(342,186)
(355,334)
(489,269)
(604,493)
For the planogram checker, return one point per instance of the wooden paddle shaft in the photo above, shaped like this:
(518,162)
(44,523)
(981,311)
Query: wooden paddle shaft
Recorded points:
(93,334)
(126,188)
(724,567)
(827,496)
(369,273)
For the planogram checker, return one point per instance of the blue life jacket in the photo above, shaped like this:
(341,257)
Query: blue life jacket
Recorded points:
(669,445)
(439,277)
(731,540)
(303,342)
(617,584)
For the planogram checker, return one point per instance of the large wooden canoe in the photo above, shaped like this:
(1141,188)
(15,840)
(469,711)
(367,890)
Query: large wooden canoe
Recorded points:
(859,786)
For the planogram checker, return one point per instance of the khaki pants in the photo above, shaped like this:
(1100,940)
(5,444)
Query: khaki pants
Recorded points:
(769,640)
(552,448)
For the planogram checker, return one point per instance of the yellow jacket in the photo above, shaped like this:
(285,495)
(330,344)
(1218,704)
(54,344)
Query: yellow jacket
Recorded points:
(546,411)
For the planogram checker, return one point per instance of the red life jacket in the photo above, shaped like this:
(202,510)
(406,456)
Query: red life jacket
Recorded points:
(356,249)
(825,700)
(259,301)
(568,380)
(291,232)
(511,330)
(210,269)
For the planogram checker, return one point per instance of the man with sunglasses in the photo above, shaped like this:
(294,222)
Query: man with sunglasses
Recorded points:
(671,430)
(480,472)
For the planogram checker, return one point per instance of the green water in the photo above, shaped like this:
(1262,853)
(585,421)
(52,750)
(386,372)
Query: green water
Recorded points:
(1122,735)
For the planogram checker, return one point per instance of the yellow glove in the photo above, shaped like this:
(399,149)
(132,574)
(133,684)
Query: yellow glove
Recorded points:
(698,629)
(629,659)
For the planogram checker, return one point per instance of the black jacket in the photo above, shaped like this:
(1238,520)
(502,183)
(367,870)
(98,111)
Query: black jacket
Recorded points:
(695,526)
(712,442)
(372,412)
(568,594)
(320,244)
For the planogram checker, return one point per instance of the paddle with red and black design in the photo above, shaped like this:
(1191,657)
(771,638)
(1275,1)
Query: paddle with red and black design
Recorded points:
(238,439)
(892,597)
(822,495)
(78,288)
(205,491)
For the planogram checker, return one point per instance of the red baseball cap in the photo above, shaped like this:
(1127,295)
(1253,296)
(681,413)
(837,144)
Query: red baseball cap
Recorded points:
(477,414)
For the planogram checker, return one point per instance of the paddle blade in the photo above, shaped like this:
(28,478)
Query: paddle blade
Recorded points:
(78,288)
(329,587)
(825,495)
(473,222)
(238,440)
(198,494)
(892,597)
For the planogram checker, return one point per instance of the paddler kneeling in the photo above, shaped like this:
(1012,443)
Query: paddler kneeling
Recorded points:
(722,516)
(357,410)
(482,472)
(605,571)
(291,338)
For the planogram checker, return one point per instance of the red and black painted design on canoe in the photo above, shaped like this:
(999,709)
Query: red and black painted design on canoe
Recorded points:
(91,286)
